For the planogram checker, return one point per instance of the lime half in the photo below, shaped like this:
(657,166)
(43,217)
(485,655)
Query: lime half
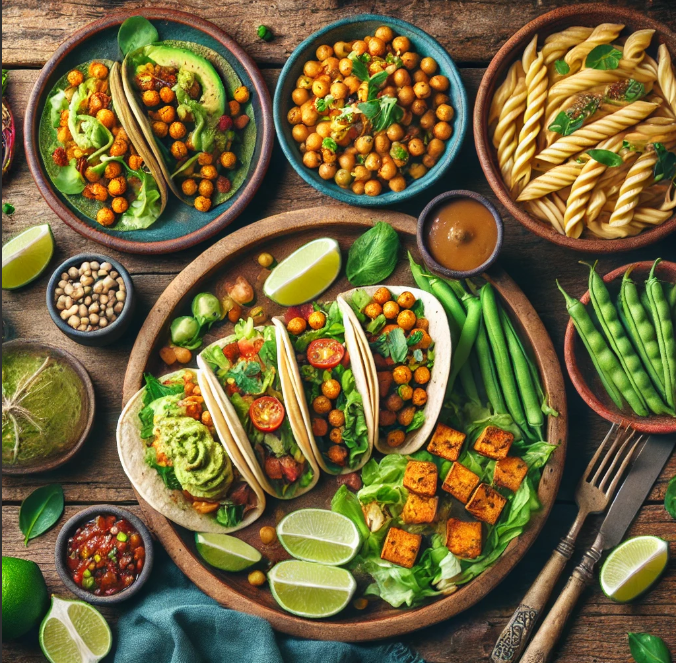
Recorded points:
(74,632)
(311,590)
(633,567)
(317,535)
(25,256)
(227,553)
(305,274)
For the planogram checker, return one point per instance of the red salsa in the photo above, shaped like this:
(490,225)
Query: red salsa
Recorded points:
(105,555)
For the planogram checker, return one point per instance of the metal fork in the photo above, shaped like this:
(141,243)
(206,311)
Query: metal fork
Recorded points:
(593,494)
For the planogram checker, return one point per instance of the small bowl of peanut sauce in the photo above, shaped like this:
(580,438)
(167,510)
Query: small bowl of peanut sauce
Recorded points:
(459,234)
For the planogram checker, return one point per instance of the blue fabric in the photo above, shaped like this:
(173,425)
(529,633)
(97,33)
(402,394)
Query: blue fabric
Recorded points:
(172,621)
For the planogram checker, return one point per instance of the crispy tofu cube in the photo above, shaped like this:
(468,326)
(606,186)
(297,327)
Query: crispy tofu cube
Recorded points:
(494,442)
(401,548)
(446,442)
(510,472)
(460,482)
(463,538)
(419,509)
(486,504)
(421,477)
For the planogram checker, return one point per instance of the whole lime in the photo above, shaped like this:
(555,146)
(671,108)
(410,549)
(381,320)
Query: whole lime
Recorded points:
(24,596)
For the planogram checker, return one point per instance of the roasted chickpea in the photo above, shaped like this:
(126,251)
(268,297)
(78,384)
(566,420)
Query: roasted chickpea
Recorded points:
(422,323)
(319,427)
(421,375)
(92,175)
(322,405)
(151,98)
(418,107)
(422,90)
(397,183)
(405,416)
(117,186)
(406,299)
(98,70)
(372,162)
(373,188)
(343,178)
(316,320)
(336,435)
(364,144)
(310,116)
(401,77)
(96,192)
(382,143)
(352,83)
(105,216)
(312,68)
(160,129)
(107,118)
(167,95)
(395,132)
(402,374)
(405,391)
(442,130)
(388,170)
(205,159)
(416,147)
(429,66)
(345,66)
(401,44)
(206,188)
(341,49)
(119,205)
(347,161)
(439,83)
(428,120)
(435,148)
(445,113)
(328,156)
(359,47)
(424,342)
(361,173)
(189,187)
(241,94)
(324,51)
(63,135)
(167,114)
(113,169)
(406,320)
(179,150)
(118,148)
(177,130)
(75,77)
(304,83)
(294,116)
(410,60)
(135,161)
(209,172)
(337,418)
(228,160)
(327,171)
(202,204)
(339,91)
(439,98)
(417,170)
(323,129)
(382,295)
(429,161)
(395,438)
(296,326)
(300,96)
(419,76)
(391,310)
(358,187)
(385,33)
(320,89)
(337,454)
(373,310)
(419,397)
(313,142)
(311,159)
(377,47)
(256,578)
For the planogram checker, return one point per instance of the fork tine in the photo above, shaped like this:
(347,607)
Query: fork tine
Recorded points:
(592,462)
(619,454)
(610,454)
(611,488)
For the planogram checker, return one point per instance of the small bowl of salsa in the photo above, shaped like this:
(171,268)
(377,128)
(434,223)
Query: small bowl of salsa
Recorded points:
(104,554)
(459,234)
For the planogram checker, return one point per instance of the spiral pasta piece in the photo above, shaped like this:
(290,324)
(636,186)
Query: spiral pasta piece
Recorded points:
(604,231)
(501,96)
(555,179)
(558,43)
(652,130)
(666,77)
(656,216)
(546,209)
(605,33)
(638,177)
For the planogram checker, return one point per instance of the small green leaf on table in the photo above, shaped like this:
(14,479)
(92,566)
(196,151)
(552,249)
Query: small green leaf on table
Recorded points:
(646,648)
(670,498)
(40,511)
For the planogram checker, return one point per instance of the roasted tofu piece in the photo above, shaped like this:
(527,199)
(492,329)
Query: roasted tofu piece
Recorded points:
(419,509)
(510,472)
(460,482)
(421,477)
(446,442)
(401,548)
(463,538)
(494,442)
(486,504)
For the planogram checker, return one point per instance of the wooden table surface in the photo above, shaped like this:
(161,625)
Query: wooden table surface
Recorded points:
(471,31)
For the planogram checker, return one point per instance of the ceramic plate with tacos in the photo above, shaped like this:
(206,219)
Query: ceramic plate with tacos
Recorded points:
(406,351)
(178,452)
(249,375)
(330,382)
(94,152)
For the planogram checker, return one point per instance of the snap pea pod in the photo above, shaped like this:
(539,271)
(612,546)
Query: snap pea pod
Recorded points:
(467,339)
(641,331)
(488,372)
(664,328)
(619,342)
(418,275)
(607,365)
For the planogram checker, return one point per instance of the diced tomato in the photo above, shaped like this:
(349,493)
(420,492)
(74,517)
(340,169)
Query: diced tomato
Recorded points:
(291,313)
(290,468)
(231,351)
(232,389)
(267,413)
(346,359)
(306,310)
(248,348)
(325,353)
(273,468)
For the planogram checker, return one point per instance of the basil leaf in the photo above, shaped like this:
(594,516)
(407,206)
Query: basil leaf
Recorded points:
(135,32)
(40,511)
(375,82)
(603,57)
(418,421)
(665,168)
(397,344)
(635,90)
(562,67)
(563,124)
(646,648)
(606,157)
(359,69)
(670,498)
(373,256)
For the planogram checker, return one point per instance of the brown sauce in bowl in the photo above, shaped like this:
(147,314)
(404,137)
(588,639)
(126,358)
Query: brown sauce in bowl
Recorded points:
(462,234)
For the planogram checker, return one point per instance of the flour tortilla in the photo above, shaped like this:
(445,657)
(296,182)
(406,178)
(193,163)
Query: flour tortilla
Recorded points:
(172,504)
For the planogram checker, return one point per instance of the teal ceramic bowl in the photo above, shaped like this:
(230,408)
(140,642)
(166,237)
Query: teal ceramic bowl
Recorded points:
(349,29)
(180,226)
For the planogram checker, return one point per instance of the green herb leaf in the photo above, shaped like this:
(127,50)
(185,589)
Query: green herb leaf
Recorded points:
(397,345)
(322,105)
(375,82)
(563,124)
(418,421)
(670,498)
(606,157)
(40,511)
(264,33)
(245,374)
(5,79)
(330,144)
(603,57)
(635,90)
(373,256)
(230,514)
(8,208)
(646,648)
(382,112)
(414,338)
(135,32)
(359,69)
(665,168)
(561,67)
(375,326)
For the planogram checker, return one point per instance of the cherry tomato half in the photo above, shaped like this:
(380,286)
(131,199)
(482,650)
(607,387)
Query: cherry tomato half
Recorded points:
(267,413)
(325,353)
(249,348)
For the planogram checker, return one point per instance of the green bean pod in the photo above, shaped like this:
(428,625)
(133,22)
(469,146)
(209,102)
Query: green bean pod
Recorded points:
(467,339)
(641,331)
(488,372)
(664,328)
(621,345)
(607,365)
(419,276)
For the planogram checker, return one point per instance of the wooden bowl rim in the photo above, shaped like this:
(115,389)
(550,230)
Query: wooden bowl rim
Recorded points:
(265,134)
(660,425)
(332,219)
(489,81)
(89,403)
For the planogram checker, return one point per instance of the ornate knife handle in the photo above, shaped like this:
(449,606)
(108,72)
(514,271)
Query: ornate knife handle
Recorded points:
(516,634)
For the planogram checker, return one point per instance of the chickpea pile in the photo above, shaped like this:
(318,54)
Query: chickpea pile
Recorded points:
(337,138)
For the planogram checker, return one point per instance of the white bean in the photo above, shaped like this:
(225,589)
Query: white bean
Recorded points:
(95,297)
(94,308)
(86,280)
(114,274)
(103,299)
(73,272)
(109,313)
(74,321)
(103,322)
(63,283)
(85,267)
(82,328)
(84,321)
(82,310)
(120,295)
(106,266)
(109,282)
(113,318)
(78,294)
(94,265)
(118,307)
(64,276)
(58,292)
(60,303)
(93,319)
(69,312)
(69,302)
(68,288)
(98,287)
(87,301)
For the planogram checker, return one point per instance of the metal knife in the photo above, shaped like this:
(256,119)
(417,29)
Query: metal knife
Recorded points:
(629,499)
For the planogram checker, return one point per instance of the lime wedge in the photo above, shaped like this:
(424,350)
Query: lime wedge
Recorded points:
(633,567)
(74,632)
(305,274)
(311,590)
(25,256)
(227,553)
(317,535)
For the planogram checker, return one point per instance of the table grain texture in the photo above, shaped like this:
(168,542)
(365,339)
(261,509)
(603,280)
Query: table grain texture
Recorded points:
(472,31)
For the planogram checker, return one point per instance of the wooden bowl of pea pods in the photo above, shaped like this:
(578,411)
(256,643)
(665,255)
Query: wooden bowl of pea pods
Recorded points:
(643,337)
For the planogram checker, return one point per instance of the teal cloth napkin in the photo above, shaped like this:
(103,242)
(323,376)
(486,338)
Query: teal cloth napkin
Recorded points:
(172,621)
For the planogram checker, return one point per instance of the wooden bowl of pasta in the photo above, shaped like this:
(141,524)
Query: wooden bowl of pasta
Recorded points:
(575,127)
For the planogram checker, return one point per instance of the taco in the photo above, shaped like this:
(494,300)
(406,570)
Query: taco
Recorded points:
(249,375)
(329,379)
(94,152)
(407,354)
(204,145)
(179,455)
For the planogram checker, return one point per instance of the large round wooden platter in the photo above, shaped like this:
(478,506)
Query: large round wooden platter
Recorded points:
(236,255)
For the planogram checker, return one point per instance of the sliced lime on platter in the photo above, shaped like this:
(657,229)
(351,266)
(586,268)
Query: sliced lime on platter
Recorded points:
(26,256)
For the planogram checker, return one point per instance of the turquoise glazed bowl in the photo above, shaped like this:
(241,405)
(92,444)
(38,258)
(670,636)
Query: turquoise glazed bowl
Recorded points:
(349,29)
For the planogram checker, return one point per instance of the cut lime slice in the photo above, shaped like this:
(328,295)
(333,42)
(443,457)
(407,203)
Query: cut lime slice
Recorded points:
(25,256)
(227,553)
(74,632)
(311,590)
(305,274)
(317,535)
(633,567)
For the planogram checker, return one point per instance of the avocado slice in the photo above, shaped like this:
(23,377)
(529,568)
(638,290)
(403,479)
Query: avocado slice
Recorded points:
(213,92)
